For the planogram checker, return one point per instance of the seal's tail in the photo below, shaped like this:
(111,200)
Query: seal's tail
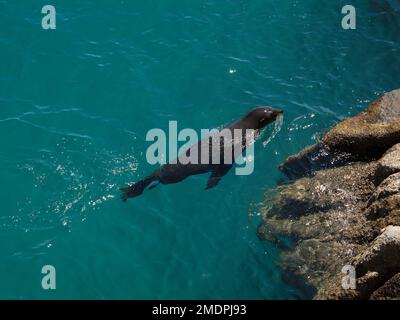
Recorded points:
(136,189)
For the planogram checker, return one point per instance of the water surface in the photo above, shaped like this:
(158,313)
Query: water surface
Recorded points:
(76,104)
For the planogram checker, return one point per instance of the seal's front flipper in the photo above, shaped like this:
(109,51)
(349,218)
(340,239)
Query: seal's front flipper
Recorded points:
(216,176)
(154,185)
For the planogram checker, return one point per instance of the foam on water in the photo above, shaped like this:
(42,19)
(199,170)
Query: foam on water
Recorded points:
(277,126)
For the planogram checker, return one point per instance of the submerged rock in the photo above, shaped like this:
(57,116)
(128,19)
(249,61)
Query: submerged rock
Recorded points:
(347,213)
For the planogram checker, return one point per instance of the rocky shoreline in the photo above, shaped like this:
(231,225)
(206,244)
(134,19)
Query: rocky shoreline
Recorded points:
(341,210)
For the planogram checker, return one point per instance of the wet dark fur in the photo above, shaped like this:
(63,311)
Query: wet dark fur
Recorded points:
(256,119)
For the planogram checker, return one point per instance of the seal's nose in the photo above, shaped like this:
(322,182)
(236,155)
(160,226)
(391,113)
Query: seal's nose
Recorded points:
(277,111)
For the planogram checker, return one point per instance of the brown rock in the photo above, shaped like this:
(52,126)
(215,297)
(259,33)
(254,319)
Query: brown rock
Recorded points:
(389,291)
(364,137)
(373,267)
(383,255)
(386,198)
(335,217)
(389,163)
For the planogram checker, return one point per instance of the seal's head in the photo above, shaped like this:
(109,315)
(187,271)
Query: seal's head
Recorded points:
(262,116)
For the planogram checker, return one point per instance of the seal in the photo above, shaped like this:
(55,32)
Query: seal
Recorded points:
(213,149)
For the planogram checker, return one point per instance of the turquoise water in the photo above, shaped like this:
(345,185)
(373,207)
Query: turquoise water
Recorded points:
(76,104)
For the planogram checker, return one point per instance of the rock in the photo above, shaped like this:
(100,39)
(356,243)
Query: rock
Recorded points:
(312,159)
(321,206)
(383,256)
(388,187)
(324,217)
(373,267)
(389,163)
(389,291)
(364,137)
(386,199)
(378,263)
(365,285)
(344,207)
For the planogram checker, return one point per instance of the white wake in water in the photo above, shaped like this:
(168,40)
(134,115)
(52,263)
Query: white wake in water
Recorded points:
(267,138)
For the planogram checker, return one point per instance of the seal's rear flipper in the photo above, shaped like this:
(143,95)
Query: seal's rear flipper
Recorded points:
(136,189)
(124,194)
